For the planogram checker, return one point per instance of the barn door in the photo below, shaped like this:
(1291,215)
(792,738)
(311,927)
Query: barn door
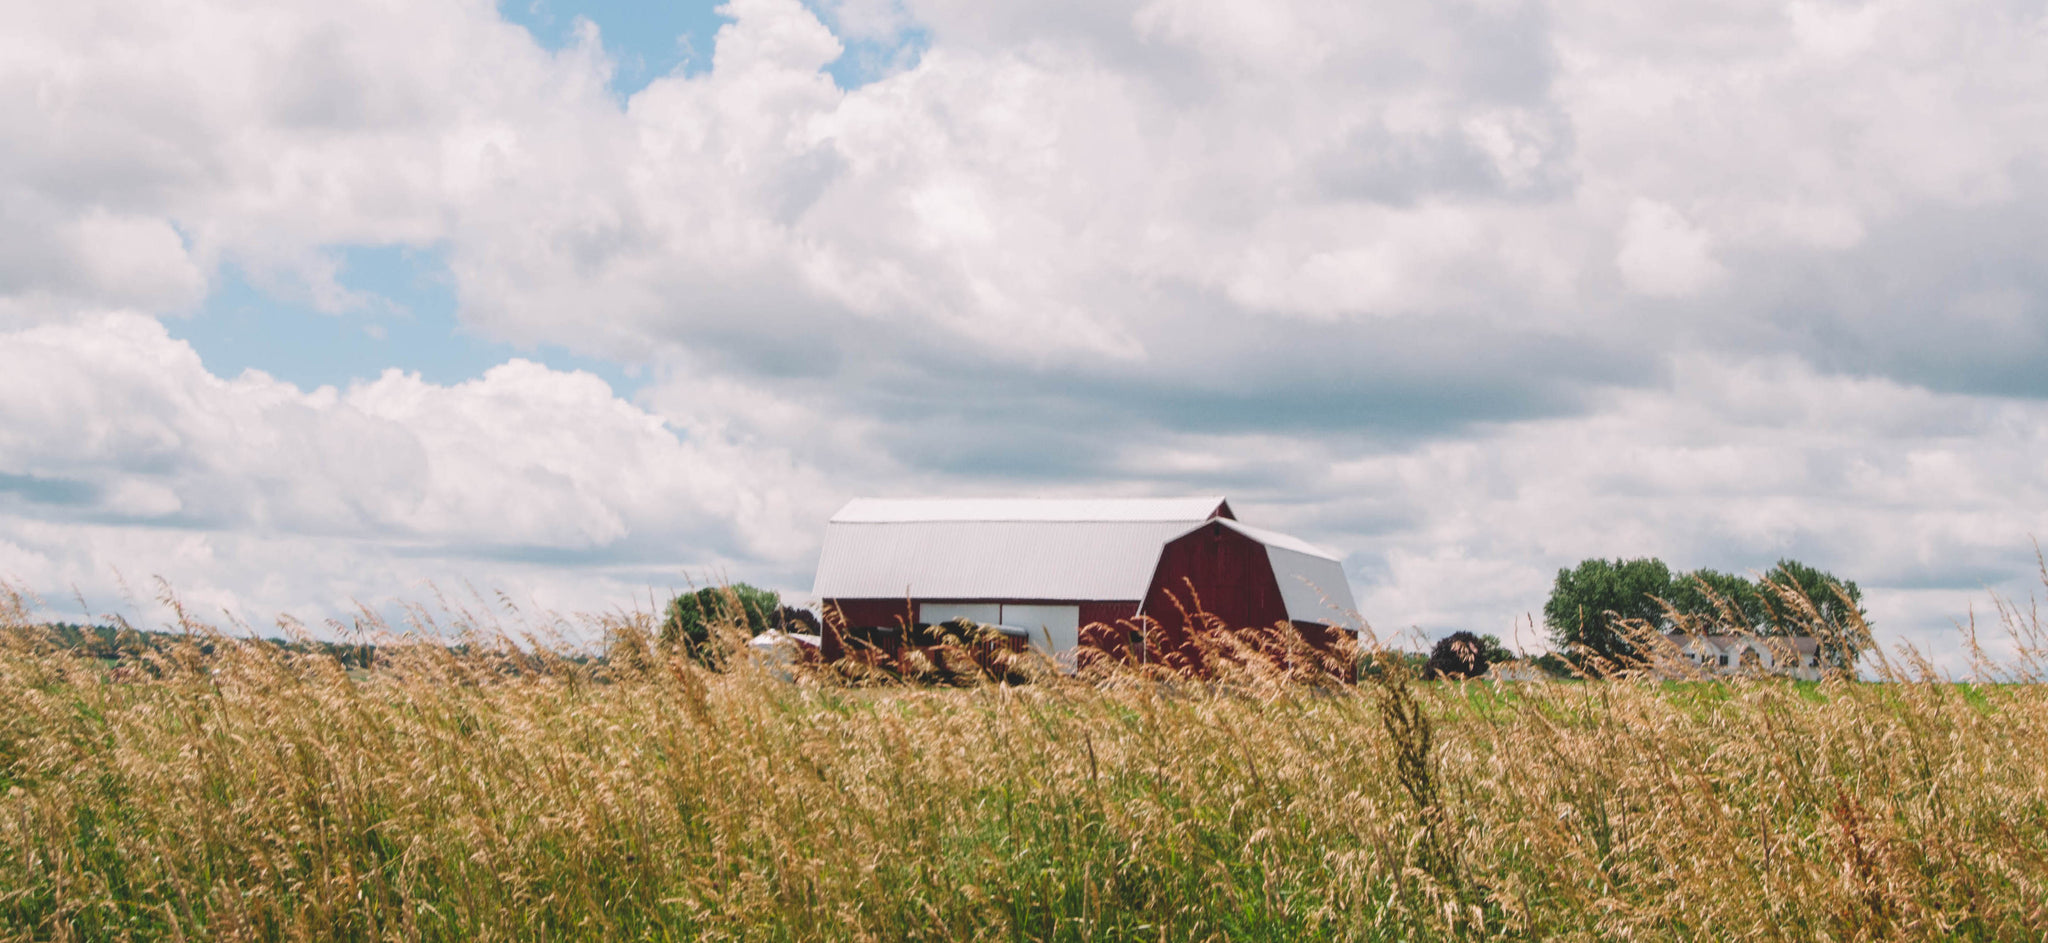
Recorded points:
(1054,629)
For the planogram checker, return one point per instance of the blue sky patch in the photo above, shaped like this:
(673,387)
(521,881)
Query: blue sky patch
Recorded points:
(648,40)
(408,321)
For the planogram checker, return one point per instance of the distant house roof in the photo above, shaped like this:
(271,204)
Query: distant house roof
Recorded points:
(1007,548)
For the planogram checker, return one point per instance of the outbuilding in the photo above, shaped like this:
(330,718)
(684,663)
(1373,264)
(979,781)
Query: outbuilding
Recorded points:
(1047,568)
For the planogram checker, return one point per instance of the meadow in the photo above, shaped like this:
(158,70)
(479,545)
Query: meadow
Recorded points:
(507,792)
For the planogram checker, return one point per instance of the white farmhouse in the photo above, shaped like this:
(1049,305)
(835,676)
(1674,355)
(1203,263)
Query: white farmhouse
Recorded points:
(1796,656)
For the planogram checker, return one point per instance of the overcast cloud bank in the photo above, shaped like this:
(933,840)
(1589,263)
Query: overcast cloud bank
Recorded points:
(1467,291)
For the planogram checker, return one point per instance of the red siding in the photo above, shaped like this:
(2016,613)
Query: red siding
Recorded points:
(1217,571)
(1214,572)
(1108,613)
(864,613)
(842,614)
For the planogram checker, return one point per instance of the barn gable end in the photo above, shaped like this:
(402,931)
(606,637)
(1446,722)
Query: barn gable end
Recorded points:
(1218,570)
(1244,577)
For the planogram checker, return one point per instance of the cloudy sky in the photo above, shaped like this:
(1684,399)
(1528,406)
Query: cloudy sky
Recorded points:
(304,305)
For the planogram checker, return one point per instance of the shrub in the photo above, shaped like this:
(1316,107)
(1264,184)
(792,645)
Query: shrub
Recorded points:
(693,618)
(1458,655)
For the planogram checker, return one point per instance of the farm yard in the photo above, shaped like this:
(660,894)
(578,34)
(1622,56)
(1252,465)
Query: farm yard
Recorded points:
(237,790)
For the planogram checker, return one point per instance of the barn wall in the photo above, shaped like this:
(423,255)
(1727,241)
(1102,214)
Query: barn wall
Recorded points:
(893,613)
(858,614)
(1230,574)
(889,610)
(932,611)
(1108,613)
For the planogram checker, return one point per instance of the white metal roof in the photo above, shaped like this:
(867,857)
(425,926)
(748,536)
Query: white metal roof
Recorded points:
(1273,538)
(907,510)
(1313,586)
(951,559)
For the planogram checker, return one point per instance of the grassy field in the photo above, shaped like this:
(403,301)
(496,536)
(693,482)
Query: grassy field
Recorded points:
(256,793)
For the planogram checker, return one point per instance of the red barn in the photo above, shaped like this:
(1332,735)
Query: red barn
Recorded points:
(1049,567)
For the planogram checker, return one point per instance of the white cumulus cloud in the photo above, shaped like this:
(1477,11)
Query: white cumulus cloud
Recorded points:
(1469,289)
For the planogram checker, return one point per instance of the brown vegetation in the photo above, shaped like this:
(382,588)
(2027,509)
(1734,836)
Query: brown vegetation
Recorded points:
(259,793)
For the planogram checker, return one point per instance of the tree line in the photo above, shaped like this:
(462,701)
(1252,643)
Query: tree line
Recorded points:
(124,643)
(1593,606)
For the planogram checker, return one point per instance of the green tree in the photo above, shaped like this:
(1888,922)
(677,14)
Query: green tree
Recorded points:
(1588,603)
(1837,618)
(1460,655)
(1721,602)
(687,626)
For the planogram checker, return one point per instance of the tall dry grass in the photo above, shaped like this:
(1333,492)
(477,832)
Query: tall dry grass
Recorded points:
(514,794)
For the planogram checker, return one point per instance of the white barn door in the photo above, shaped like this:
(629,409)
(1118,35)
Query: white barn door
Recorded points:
(1055,629)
